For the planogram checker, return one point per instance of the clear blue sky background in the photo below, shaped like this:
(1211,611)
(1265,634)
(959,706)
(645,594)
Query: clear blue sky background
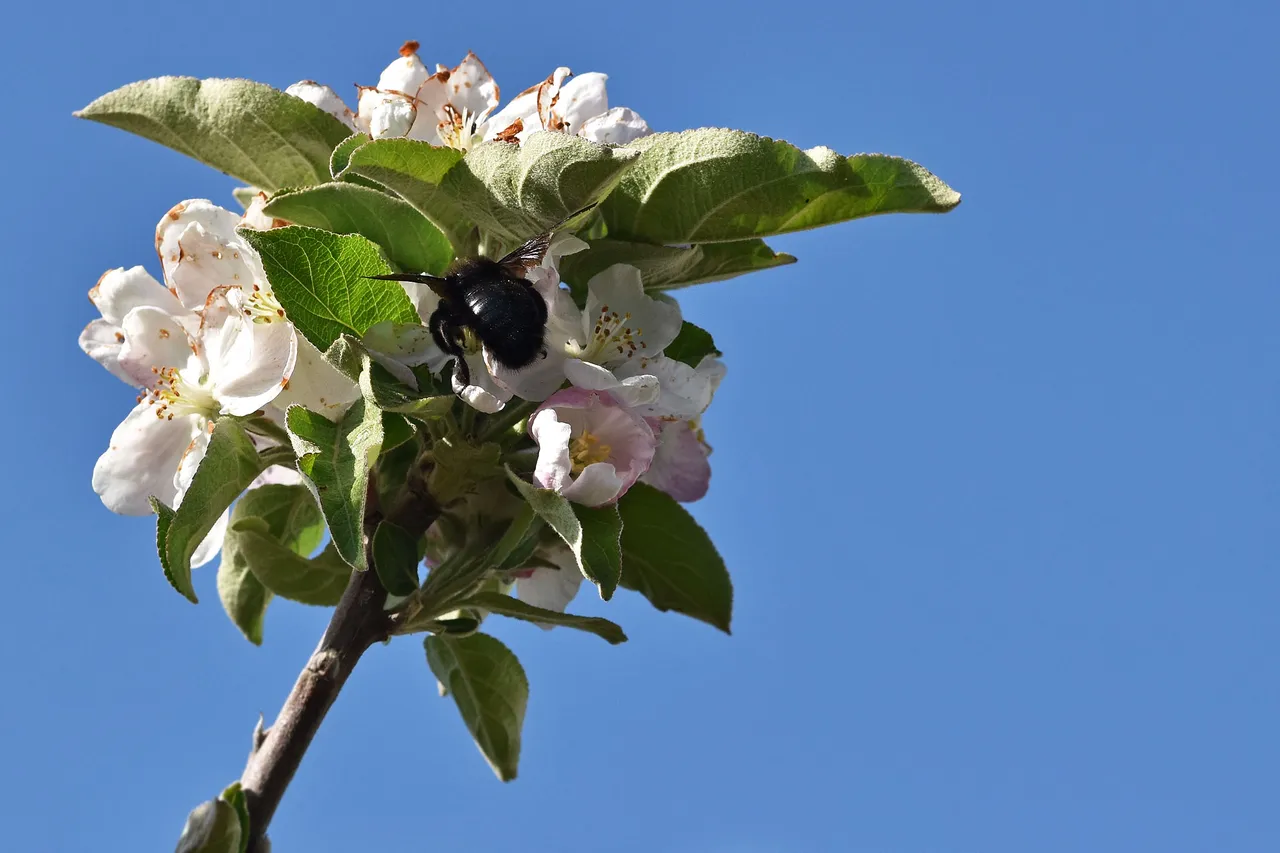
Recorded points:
(999,489)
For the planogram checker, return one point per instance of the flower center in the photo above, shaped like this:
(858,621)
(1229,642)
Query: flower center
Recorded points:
(587,448)
(260,306)
(459,129)
(175,394)
(613,337)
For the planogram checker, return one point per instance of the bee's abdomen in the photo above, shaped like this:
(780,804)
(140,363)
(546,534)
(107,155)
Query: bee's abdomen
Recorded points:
(509,316)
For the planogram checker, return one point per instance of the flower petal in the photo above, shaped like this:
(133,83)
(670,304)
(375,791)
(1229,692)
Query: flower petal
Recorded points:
(385,114)
(153,340)
(101,341)
(317,384)
(638,390)
(324,98)
(212,543)
(121,290)
(618,126)
(680,465)
(404,74)
(580,99)
(550,589)
(484,394)
(249,363)
(597,485)
(684,392)
(142,459)
(553,468)
(623,322)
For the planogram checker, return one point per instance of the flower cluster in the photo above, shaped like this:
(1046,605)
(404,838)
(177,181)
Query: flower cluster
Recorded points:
(458,107)
(211,341)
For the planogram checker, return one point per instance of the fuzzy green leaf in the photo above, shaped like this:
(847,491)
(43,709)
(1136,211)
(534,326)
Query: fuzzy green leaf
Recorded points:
(229,465)
(321,281)
(413,170)
(408,237)
(709,186)
(280,570)
(514,192)
(505,605)
(669,267)
(248,130)
(592,534)
(670,559)
(341,155)
(491,691)
(292,520)
(335,459)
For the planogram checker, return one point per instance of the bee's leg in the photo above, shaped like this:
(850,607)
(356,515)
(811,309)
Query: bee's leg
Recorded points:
(443,333)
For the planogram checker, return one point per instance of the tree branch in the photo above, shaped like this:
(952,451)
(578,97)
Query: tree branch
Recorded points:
(358,622)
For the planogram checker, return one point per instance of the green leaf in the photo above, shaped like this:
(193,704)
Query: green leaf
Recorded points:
(592,534)
(709,186)
(515,192)
(229,465)
(395,557)
(408,237)
(693,344)
(491,691)
(318,581)
(243,596)
(396,430)
(460,465)
(670,560)
(233,795)
(669,267)
(212,827)
(291,514)
(286,514)
(601,545)
(341,155)
(335,458)
(413,170)
(505,605)
(248,130)
(321,281)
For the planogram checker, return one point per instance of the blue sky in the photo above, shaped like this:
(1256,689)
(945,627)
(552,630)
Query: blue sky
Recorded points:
(998,489)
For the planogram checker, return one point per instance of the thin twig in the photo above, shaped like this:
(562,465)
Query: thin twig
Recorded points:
(358,622)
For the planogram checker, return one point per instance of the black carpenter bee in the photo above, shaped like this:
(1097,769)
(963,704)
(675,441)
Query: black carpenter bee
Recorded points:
(493,300)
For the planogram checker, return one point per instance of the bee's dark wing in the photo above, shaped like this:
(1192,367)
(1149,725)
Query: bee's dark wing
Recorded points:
(527,255)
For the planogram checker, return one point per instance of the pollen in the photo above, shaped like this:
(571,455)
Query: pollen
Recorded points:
(586,449)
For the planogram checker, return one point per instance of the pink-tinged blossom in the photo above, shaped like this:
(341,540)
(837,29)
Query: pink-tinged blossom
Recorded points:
(680,465)
(590,448)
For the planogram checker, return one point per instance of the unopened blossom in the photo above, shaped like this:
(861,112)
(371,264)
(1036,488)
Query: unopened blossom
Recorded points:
(680,465)
(591,449)
(455,107)
(325,98)
(579,107)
